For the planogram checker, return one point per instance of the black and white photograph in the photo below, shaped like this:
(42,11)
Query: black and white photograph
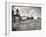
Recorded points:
(25,18)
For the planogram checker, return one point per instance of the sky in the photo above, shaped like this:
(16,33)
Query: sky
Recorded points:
(29,11)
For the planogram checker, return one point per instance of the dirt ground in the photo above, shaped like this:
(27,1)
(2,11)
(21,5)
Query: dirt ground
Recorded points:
(30,24)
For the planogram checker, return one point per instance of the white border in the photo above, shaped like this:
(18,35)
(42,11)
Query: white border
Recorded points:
(9,24)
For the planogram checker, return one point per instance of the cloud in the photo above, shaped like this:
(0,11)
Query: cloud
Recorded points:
(29,11)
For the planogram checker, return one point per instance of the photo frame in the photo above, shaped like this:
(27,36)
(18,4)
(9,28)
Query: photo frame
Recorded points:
(8,16)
